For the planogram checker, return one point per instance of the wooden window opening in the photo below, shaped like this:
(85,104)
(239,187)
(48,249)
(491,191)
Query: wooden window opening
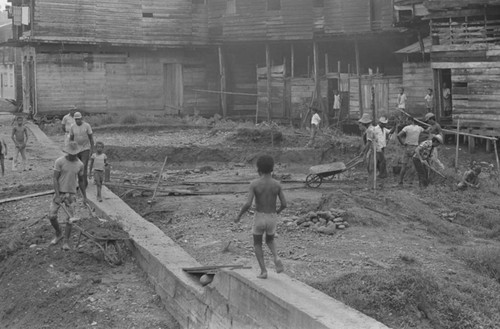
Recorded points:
(231,7)
(273,5)
(318,3)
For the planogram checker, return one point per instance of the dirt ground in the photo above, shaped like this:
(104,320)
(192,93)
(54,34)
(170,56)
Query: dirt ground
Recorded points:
(42,286)
(410,258)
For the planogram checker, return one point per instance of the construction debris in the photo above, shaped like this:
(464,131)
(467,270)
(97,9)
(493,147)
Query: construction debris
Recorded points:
(324,222)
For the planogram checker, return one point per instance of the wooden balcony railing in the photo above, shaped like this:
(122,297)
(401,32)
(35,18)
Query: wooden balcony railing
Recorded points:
(460,33)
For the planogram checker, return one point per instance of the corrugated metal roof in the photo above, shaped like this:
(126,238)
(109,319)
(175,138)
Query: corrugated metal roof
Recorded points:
(415,48)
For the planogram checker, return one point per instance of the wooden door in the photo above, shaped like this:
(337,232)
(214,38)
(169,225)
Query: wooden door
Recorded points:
(173,88)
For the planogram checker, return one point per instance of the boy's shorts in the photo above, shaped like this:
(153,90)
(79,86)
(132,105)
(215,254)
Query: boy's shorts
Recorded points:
(69,199)
(99,176)
(263,222)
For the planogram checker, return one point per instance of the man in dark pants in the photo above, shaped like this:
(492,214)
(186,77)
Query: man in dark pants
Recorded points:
(81,133)
(423,153)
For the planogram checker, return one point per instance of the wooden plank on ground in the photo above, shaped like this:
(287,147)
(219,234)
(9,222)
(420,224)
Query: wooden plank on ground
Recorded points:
(27,196)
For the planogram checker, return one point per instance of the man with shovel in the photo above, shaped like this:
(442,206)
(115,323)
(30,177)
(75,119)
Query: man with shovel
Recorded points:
(423,155)
(68,174)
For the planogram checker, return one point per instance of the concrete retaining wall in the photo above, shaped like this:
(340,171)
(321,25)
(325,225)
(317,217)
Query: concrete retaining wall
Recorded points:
(235,299)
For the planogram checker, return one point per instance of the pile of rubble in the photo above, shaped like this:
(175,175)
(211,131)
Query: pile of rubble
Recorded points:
(324,222)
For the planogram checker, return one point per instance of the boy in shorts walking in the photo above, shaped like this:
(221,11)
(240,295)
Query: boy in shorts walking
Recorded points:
(266,191)
(98,161)
(68,174)
(20,138)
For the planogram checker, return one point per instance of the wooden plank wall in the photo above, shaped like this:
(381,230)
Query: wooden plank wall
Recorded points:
(173,22)
(417,78)
(354,16)
(476,95)
(128,81)
(302,90)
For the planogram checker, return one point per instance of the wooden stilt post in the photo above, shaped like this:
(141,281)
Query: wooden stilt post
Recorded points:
(374,142)
(317,82)
(496,156)
(292,61)
(488,146)
(458,143)
(269,95)
(358,73)
(222,72)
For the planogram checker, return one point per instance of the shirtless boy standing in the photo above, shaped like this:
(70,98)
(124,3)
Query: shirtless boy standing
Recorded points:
(265,190)
(20,138)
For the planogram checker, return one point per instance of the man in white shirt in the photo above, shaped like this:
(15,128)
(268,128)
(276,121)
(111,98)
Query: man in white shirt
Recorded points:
(411,134)
(81,133)
(402,98)
(381,134)
(315,121)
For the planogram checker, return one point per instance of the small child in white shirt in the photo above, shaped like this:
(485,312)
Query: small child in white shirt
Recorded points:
(98,162)
(315,121)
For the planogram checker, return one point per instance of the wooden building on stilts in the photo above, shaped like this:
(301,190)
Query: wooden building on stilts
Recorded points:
(259,59)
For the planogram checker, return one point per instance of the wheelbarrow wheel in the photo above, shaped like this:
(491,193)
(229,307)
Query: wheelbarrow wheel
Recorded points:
(113,253)
(313,180)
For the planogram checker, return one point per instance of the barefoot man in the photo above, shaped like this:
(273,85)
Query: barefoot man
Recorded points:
(265,190)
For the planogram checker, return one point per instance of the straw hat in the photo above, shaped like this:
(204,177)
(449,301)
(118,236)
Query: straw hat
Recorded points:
(438,138)
(77,115)
(429,116)
(383,120)
(365,118)
(72,148)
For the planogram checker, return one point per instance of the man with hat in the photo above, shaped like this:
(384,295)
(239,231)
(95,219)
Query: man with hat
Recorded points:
(68,174)
(382,134)
(434,127)
(370,137)
(66,123)
(81,133)
(422,157)
(411,134)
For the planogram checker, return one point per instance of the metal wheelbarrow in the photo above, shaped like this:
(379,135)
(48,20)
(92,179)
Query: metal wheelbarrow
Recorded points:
(328,171)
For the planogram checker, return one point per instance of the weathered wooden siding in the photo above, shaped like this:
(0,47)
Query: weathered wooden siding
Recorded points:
(417,78)
(385,88)
(128,81)
(142,22)
(355,16)
(298,19)
(302,90)
(476,96)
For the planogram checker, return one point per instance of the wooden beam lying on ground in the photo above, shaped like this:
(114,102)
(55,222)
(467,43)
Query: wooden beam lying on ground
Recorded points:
(27,196)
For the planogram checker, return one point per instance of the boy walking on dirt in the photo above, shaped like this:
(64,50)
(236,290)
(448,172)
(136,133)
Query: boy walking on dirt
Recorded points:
(68,174)
(3,154)
(315,121)
(265,190)
(20,138)
(98,162)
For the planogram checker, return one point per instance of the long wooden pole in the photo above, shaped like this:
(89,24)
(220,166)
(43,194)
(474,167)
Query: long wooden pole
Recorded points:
(292,61)
(450,131)
(458,142)
(222,72)
(268,66)
(159,179)
(374,165)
